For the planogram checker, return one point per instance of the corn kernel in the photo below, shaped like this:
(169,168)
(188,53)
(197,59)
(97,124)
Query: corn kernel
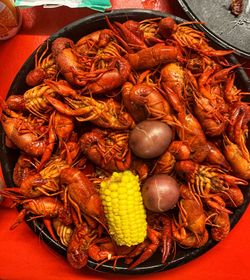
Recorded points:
(123,207)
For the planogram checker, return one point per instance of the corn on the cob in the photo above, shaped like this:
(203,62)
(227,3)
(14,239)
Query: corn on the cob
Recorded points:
(124,210)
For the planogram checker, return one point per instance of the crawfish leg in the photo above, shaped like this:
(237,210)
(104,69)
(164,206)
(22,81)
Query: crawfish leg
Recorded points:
(216,202)
(19,220)
(77,209)
(166,239)
(154,236)
(49,148)
(48,224)
(64,109)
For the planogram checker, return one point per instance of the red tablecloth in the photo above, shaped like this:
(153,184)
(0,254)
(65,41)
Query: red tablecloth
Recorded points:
(22,254)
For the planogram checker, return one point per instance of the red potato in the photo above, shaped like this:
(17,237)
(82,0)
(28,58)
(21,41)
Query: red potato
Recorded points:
(160,193)
(150,139)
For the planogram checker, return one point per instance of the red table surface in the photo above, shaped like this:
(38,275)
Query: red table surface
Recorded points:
(22,254)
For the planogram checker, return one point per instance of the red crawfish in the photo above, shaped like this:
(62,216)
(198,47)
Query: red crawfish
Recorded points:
(179,80)
(215,156)
(102,250)
(237,129)
(42,207)
(190,132)
(233,197)
(45,67)
(64,232)
(188,37)
(108,61)
(128,34)
(140,167)
(91,44)
(112,77)
(33,100)
(25,166)
(108,150)
(162,223)
(232,94)
(44,181)
(237,160)
(82,194)
(79,243)
(107,55)
(220,224)
(164,164)
(28,134)
(71,65)
(16,103)
(145,101)
(106,113)
(189,228)
(210,106)
(208,182)
(153,56)
(179,149)
(149,28)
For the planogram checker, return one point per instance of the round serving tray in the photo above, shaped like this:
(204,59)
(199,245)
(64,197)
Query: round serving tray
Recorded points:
(8,156)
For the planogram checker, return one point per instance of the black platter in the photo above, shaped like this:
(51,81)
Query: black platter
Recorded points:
(8,156)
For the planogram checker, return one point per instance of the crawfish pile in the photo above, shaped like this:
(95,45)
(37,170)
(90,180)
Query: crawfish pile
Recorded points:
(72,129)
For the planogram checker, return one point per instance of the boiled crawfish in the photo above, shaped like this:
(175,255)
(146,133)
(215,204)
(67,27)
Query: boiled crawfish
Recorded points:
(236,159)
(154,56)
(211,108)
(28,134)
(42,207)
(106,149)
(25,166)
(45,67)
(188,37)
(189,228)
(79,243)
(179,80)
(72,65)
(208,182)
(144,101)
(82,193)
(106,113)
(112,77)
(91,44)
(64,232)
(191,132)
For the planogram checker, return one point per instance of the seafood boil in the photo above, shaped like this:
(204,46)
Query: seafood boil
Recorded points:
(131,142)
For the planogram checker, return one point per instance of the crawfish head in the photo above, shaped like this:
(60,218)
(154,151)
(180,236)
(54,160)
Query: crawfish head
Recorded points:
(107,150)
(60,44)
(167,26)
(24,167)
(205,178)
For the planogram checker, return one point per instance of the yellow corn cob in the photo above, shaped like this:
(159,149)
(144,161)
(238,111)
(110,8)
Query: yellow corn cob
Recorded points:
(124,210)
